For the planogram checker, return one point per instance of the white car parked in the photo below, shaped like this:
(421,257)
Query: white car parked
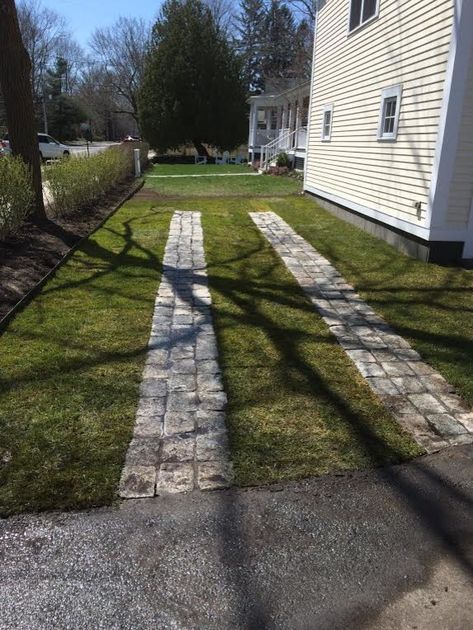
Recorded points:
(49,148)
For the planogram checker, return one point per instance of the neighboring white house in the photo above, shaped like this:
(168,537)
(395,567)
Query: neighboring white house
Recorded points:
(391,123)
(278,122)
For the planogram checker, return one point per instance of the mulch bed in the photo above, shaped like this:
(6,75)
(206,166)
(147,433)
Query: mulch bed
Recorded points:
(38,247)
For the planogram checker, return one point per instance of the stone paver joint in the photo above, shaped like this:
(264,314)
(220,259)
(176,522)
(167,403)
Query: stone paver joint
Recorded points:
(180,441)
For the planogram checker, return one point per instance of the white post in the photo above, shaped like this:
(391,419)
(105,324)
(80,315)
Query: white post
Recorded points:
(254,130)
(291,118)
(136,154)
(284,117)
(298,124)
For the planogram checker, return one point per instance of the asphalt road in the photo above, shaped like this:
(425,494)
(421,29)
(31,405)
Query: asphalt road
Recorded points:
(94,148)
(382,549)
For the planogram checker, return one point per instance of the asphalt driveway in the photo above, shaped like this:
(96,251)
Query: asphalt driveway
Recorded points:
(381,549)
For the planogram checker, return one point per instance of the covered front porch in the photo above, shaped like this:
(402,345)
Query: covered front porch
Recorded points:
(278,123)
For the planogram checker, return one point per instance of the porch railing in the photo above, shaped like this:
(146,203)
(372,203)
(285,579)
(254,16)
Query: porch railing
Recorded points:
(285,142)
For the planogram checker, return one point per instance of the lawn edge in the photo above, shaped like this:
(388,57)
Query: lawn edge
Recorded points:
(34,291)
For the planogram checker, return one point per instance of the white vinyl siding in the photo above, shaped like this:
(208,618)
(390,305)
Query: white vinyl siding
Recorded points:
(461,190)
(407,47)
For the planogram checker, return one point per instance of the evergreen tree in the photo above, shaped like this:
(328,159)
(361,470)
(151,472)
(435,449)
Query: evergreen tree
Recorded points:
(64,113)
(280,36)
(192,90)
(251,40)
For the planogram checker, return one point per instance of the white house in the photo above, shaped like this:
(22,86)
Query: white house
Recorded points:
(391,123)
(278,122)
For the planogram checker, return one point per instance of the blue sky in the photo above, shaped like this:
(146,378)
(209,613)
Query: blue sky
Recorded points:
(84,16)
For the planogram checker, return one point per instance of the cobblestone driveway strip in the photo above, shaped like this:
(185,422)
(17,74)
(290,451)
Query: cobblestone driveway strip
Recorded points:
(420,399)
(180,441)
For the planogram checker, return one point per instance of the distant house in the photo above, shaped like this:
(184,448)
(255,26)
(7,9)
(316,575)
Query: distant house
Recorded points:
(278,122)
(391,123)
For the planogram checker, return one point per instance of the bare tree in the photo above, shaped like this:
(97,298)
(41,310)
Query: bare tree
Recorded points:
(15,82)
(76,62)
(42,31)
(306,8)
(223,12)
(121,52)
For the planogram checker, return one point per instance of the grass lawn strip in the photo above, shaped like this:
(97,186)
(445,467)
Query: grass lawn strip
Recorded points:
(205,175)
(429,305)
(199,169)
(199,187)
(419,398)
(73,360)
(297,405)
(71,366)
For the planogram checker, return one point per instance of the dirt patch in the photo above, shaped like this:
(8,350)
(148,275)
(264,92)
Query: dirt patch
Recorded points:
(39,246)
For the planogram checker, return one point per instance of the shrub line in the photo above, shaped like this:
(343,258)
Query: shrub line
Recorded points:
(33,292)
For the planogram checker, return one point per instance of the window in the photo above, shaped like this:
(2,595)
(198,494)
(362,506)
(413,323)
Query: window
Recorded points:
(327,123)
(261,118)
(389,113)
(362,11)
(274,118)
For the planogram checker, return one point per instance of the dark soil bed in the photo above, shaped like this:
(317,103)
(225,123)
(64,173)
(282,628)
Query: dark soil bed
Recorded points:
(29,255)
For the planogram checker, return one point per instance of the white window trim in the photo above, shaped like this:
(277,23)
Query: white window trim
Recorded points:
(366,22)
(327,108)
(390,92)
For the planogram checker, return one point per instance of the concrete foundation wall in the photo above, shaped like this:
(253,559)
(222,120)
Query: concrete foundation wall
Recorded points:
(441,252)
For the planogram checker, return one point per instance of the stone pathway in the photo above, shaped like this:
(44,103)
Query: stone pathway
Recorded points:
(420,399)
(180,440)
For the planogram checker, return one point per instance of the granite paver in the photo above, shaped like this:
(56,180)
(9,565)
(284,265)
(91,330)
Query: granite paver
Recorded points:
(422,401)
(180,439)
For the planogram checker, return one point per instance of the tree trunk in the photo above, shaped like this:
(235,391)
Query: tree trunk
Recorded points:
(15,82)
(199,147)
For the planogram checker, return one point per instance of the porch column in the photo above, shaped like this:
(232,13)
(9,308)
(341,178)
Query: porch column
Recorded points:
(298,124)
(268,117)
(254,129)
(284,116)
(291,118)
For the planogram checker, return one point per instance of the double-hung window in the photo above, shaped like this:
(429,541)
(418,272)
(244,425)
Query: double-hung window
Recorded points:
(389,113)
(261,118)
(327,123)
(362,11)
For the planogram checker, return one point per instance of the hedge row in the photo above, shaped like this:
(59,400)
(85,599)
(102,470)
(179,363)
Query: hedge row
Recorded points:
(78,183)
(71,185)
(16,194)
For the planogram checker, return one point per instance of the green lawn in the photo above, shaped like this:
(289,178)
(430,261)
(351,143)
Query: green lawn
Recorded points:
(71,367)
(203,169)
(297,405)
(72,360)
(430,305)
(251,186)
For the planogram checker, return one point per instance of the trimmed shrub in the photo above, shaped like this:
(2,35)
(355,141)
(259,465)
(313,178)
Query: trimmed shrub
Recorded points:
(283,160)
(16,194)
(78,183)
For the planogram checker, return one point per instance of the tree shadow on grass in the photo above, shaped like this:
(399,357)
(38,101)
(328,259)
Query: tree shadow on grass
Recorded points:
(110,261)
(429,499)
(429,495)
